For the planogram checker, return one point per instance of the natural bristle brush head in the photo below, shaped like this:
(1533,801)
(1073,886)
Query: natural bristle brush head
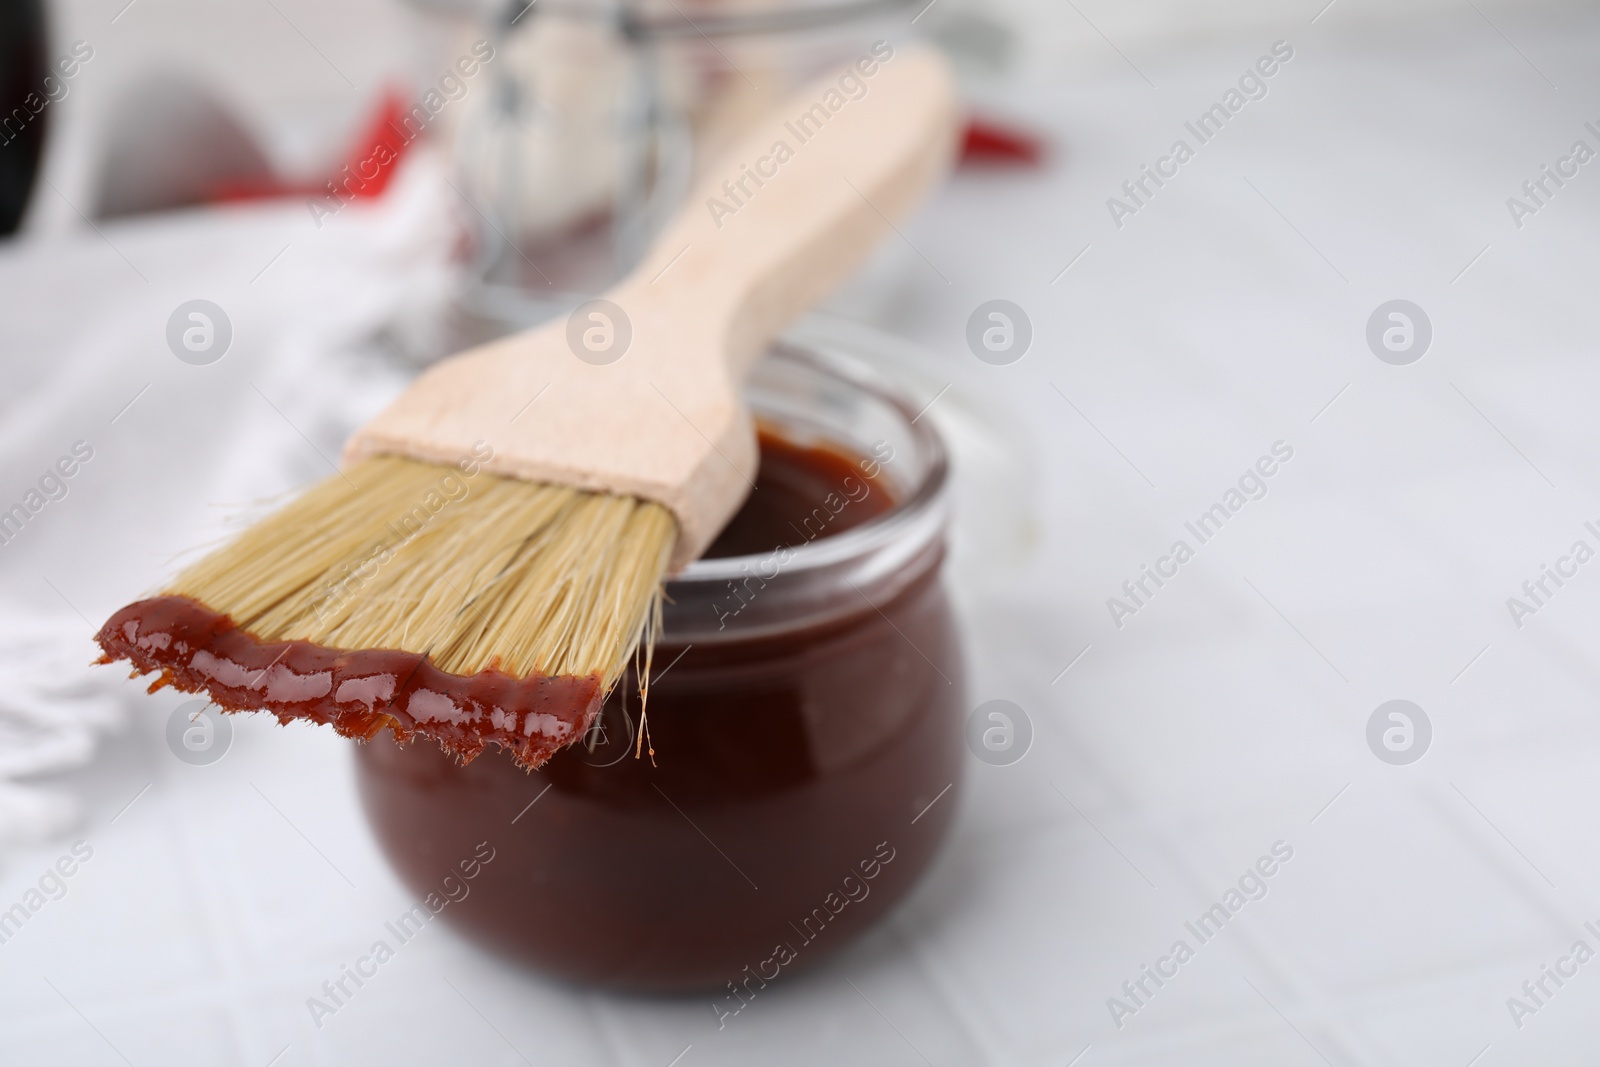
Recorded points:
(476,571)
(447,601)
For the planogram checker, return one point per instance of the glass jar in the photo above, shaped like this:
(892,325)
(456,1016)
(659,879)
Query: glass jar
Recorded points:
(600,115)
(801,752)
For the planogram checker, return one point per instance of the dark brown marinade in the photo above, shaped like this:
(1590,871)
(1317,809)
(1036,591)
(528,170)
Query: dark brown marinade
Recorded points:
(790,505)
(358,693)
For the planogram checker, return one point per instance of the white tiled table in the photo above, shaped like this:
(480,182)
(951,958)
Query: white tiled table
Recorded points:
(1227,715)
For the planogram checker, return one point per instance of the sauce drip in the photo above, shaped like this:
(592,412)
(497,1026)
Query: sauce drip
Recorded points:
(802,492)
(358,693)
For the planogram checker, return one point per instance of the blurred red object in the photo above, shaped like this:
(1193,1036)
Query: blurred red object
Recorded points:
(989,143)
(373,159)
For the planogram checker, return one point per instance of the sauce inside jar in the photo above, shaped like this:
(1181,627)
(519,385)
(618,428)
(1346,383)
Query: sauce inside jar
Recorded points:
(791,786)
(802,492)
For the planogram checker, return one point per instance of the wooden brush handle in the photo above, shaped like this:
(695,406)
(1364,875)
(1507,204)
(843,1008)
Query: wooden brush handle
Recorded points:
(775,224)
(786,214)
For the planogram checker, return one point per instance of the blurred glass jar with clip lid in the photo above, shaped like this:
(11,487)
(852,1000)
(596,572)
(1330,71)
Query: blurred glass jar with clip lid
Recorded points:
(597,115)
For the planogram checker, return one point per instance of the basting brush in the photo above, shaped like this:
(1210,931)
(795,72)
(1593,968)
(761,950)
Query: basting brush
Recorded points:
(485,566)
